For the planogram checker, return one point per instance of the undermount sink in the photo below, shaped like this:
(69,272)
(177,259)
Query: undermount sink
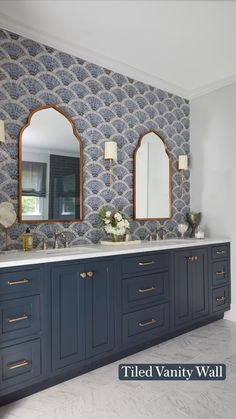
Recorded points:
(67,250)
(173,241)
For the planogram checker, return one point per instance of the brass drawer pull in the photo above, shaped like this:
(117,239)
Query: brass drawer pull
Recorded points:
(142,290)
(220,252)
(90,274)
(220,273)
(146,263)
(17,319)
(220,299)
(18,364)
(147,322)
(83,274)
(21,281)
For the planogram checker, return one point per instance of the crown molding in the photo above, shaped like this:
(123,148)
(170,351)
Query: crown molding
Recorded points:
(211,87)
(20,28)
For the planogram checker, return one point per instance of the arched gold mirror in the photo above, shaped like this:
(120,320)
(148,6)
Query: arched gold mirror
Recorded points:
(152,179)
(50,168)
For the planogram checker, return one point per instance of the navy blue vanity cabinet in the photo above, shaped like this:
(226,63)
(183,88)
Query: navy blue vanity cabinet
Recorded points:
(219,262)
(145,297)
(68,317)
(191,285)
(82,312)
(99,307)
(24,308)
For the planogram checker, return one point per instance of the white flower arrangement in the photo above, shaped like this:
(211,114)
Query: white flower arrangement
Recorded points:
(113,223)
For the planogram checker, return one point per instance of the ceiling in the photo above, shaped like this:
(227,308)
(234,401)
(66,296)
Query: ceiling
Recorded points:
(186,47)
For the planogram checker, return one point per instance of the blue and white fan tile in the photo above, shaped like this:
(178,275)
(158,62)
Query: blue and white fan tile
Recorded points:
(105,106)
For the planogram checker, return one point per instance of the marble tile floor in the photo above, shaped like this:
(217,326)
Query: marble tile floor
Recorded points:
(100,395)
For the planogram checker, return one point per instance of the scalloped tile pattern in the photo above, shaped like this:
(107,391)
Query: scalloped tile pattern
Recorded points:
(104,106)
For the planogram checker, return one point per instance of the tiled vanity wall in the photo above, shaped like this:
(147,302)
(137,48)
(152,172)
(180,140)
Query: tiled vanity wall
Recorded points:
(104,106)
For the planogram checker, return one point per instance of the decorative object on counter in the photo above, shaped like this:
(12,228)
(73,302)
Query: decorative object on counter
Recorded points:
(182,165)
(110,154)
(194,219)
(27,240)
(128,237)
(182,228)
(7,219)
(199,234)
(2,132)
(114,223)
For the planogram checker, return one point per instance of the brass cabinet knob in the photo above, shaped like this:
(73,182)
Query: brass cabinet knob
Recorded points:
(90,274)
(220,299)
(83,274)
(193,258)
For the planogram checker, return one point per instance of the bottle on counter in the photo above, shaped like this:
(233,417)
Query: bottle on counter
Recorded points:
(27,240)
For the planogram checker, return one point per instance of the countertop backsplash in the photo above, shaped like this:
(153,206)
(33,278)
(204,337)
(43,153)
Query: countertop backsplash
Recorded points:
(105,106)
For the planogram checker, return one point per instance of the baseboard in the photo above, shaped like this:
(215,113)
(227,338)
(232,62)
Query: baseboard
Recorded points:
(231,314)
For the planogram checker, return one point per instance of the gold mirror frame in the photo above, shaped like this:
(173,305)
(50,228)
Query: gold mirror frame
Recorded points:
(170,177)
(76,134)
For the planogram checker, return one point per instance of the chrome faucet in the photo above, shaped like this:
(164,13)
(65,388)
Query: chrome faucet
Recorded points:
(160,233)
(56,238)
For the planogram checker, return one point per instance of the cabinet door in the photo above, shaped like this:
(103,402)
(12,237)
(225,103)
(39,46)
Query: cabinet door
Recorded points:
(183,291)
(200,283)
(99,308)
(68,346)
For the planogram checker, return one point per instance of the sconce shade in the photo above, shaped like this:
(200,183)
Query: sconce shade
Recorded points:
(110,150)
(2,132)
(183,162)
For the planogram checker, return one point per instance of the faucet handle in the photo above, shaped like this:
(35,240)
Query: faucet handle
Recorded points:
(65,236)
(45,241)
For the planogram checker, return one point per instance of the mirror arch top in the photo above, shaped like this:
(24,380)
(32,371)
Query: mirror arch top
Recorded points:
(152,178)
(53,133)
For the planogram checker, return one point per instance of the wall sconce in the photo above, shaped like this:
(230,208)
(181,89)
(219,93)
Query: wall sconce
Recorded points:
(182,165)
(2,132)
(110,154)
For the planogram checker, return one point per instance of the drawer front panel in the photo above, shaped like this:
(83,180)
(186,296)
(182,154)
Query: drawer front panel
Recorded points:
(144,324)
(20,281)
(144,263)
(20,363)
(221,299)
(20,317)
(220,273)
(220,252)
(145,289)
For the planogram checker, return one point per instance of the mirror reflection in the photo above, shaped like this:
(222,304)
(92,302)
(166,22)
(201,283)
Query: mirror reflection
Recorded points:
(50,168)
(152,174)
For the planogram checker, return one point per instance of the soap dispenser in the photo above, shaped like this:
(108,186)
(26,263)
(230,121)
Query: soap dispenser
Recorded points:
(27,240)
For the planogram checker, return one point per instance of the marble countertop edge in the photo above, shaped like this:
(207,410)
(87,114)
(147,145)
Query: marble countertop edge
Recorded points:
(21,258)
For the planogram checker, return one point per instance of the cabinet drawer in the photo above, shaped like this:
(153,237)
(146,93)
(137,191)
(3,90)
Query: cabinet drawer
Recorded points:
(145,289)
(220,272)
(26,280)
(145,263)
(144,324)
(20,317)
(20,363)
(221,299)
(220,252)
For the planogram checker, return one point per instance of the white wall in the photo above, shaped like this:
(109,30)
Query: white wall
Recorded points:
(213,172)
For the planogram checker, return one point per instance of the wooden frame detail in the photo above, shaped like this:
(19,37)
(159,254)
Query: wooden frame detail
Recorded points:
(76,134)
(170,177)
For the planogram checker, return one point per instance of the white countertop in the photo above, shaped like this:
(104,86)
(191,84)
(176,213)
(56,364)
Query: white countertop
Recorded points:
(20,258)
